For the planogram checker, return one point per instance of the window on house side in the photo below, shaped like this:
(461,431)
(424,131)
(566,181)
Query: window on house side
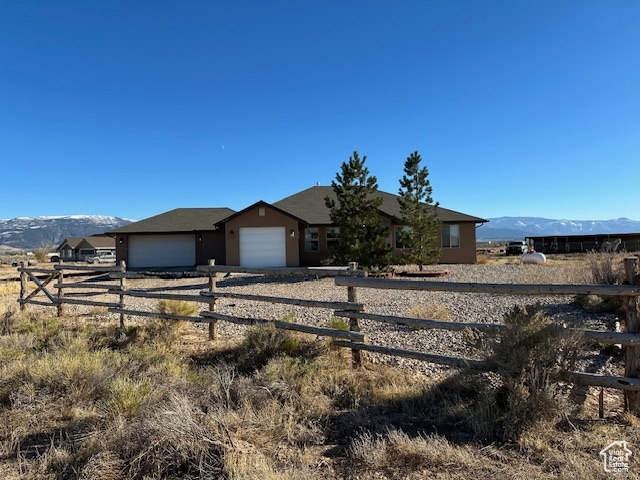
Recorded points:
(451,236)
(333,238)
(311,236)
(401,236)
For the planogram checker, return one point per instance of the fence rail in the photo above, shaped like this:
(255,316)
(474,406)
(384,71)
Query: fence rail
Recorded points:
(350,309)
(491,288)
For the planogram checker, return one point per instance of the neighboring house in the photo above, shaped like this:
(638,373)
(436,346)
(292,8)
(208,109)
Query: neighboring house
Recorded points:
(295,231)
(76,249)
(68,249)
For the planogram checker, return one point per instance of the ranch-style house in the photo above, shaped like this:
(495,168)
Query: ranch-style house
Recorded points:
(77,249)
(294,231)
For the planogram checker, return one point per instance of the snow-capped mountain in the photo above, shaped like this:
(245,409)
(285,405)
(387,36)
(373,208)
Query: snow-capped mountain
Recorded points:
(37,232)
(506,228)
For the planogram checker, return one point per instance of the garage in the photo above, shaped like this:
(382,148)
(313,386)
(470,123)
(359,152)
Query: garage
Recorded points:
(161,251)
(262,247)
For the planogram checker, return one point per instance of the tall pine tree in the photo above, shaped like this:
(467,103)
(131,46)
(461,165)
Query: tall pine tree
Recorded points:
(362,238)
(419,213)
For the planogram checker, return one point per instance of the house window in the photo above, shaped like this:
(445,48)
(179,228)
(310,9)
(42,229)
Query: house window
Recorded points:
(311,236)
(402,234)
(333,238)
(451,236)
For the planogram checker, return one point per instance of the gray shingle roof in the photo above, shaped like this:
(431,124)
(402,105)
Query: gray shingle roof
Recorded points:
(73,242)
(178,220)
(309,205)
(100,241)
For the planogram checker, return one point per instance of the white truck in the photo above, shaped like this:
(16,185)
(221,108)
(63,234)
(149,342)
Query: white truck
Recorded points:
(101,257)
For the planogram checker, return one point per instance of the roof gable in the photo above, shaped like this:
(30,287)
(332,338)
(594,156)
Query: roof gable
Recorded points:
(178,220)
(260,204)
(72,242)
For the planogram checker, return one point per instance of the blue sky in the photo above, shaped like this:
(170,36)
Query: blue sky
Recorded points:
(133,108)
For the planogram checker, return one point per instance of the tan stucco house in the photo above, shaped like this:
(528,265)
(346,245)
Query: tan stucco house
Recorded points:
(294,231)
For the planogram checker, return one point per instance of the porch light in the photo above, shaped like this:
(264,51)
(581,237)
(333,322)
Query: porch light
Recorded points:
(231,233)
(292,233)
(120,241)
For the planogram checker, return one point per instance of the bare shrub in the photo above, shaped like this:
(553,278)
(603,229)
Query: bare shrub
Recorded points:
(263,342)
(605,268)
(527,356)
(42,254)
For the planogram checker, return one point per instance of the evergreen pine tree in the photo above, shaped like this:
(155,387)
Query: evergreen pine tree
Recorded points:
(419,214)
(362,238)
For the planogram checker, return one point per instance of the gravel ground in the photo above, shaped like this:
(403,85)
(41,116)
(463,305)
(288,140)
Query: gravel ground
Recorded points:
(464,307)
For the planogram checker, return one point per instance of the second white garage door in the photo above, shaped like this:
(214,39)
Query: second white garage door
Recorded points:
(161,251)
(262,247)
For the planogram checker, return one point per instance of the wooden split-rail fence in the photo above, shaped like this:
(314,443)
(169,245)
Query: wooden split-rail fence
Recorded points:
(350,309)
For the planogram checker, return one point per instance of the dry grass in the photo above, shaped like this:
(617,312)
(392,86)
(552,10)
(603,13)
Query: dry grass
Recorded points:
(178,307)
(157,401)
(431,311)
(9,287)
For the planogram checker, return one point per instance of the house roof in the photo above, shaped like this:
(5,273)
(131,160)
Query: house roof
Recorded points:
(307,206)
(100,241)
(310,206)
(178,220)
(73,242)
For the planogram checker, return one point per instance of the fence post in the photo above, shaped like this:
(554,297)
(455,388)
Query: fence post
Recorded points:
(23,286)
(60,290)
(354,323)
(632,354)
(123,287)
(213,326)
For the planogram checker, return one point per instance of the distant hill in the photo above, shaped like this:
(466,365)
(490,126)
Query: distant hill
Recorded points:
(31,233)
(515,228)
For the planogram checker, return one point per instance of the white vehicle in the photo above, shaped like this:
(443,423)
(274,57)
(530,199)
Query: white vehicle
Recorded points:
(102,257)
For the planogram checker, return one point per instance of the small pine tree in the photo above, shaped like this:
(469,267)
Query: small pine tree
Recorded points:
(362,238)
(419,213)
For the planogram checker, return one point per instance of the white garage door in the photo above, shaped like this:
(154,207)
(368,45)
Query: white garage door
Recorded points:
(161,251)
(262,247)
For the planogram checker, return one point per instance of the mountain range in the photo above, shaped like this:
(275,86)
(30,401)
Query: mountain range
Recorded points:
(28,233)
(516,228)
